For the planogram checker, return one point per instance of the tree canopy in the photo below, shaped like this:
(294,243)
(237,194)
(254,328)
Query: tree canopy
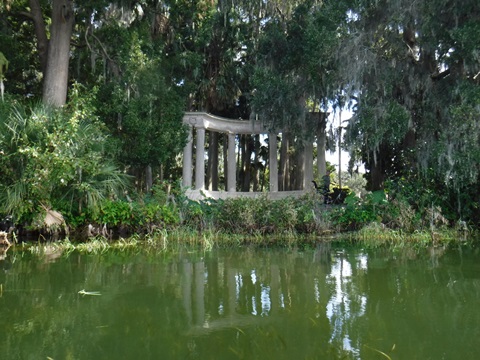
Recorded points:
(409,71)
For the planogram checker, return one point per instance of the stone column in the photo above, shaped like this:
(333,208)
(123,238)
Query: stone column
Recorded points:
(232,164)
(321,148)
(308,166)
(187,161)
(272,150)
(200,160)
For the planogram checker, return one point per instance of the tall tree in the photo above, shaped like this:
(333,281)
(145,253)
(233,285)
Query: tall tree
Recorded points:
(415,71)
(297,72)
(53,51)
(213,52)
(55,81)
(112,47)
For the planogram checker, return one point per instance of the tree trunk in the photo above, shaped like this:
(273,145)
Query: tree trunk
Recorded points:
(55,81)
(244,173)
(377,177)
(299,166)
(40,33)
(247,164)
(409,145)
(321,145)
(148,178)
(284,162)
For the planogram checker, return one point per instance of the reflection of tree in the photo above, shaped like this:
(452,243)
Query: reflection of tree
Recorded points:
(347,303)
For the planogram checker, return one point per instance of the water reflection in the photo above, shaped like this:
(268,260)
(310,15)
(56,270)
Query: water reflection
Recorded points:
(309,291)
(345,305)
(246,304)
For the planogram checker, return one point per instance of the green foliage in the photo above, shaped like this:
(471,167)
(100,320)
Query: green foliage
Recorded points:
(354,215)
(193,214)
(458,147)
(159,208)
(376,208)
(412,68)
(296,65)
(115,212)
(273,92)
(415,79)
(155,210)
(54,158)
(145,112)
(407,206)
(258,216)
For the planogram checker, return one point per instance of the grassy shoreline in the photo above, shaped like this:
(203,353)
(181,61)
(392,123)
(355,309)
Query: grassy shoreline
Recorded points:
(163,241)
(371,222)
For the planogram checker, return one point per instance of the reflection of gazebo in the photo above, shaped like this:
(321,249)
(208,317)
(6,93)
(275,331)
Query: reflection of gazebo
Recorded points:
(199,123)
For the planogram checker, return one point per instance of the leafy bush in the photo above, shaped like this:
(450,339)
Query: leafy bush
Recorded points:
(261,215)
(352,216)
(54,158)
(115,212)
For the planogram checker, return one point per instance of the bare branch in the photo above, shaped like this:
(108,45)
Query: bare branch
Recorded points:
(115,67)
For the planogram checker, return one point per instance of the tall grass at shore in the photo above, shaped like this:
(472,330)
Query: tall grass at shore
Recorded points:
(162,225)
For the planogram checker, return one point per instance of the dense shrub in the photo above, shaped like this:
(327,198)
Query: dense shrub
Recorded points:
(54,159)
(167,208)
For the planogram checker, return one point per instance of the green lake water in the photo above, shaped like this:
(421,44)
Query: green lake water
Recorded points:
(321,303)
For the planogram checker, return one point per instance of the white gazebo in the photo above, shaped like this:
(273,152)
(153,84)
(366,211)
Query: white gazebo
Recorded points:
(201,122)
